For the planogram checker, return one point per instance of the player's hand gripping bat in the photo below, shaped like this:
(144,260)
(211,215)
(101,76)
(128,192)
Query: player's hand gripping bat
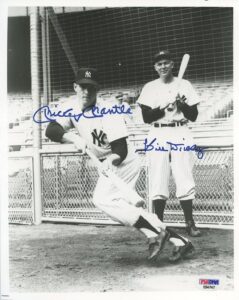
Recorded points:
(131,196)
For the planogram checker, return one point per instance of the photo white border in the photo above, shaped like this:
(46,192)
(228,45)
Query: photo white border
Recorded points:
(4,288)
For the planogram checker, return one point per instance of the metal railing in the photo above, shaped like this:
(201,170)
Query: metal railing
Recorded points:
(68,180)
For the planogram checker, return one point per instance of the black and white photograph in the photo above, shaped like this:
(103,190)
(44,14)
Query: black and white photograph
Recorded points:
(119,163)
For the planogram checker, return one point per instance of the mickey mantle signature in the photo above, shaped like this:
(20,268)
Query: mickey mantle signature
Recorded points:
(88,113)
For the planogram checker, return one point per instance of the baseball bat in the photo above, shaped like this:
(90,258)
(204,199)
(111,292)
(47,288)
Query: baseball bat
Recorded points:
(183,66)
(182,69)
(131,196)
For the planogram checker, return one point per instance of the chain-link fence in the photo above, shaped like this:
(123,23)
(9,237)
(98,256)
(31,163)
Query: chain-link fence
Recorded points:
(20,184)
(213,176)
(68,182)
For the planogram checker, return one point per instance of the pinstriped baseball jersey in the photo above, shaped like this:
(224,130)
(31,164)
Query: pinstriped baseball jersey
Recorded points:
(157,94)
(98,131)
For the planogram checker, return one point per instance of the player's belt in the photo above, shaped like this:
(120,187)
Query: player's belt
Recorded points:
(174,124)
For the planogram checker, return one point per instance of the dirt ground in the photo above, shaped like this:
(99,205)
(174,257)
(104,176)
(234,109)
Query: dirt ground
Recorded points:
(88,258)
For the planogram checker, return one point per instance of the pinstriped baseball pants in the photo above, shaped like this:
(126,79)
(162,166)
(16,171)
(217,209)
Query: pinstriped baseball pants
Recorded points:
(161,163)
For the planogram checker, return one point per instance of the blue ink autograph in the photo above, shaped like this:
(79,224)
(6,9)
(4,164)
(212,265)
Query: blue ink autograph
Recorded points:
(88,113)
(154,146)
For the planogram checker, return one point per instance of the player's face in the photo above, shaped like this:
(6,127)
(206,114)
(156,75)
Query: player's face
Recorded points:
(164,67)
(86,94)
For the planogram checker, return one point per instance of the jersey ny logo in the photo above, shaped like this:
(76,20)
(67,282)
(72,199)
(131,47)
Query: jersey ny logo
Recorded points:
(87,74)
(100,138)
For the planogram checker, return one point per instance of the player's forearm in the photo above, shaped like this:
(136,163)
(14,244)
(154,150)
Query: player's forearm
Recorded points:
(69,137)
(190,112)
(150,115)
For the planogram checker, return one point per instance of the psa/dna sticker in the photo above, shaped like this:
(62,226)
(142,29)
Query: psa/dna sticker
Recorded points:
(209,283)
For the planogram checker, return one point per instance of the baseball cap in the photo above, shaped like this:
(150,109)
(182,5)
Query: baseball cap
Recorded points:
(87,76)
(164,54)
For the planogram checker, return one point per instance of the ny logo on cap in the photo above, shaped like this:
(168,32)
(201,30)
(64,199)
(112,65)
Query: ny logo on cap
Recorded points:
(87,74)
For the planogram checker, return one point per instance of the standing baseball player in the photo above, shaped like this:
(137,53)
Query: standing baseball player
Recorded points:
(106,137)
(168,105)
(123,99)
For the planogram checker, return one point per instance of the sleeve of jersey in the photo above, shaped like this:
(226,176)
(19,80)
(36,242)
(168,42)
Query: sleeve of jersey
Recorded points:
(114,126)
(191,95)
(65,122)
(146,96)
(150,115)
(120,147)
(54,132)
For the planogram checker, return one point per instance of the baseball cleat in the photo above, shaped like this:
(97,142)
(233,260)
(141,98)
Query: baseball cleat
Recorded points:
(157,244)
(192,230)
(180,252)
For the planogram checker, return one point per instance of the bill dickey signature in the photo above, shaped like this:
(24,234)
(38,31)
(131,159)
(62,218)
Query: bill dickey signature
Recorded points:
(90,112)
(154,146)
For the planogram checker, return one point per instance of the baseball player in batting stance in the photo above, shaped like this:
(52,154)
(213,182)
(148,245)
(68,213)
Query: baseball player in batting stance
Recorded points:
(106,137)
(168,105)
